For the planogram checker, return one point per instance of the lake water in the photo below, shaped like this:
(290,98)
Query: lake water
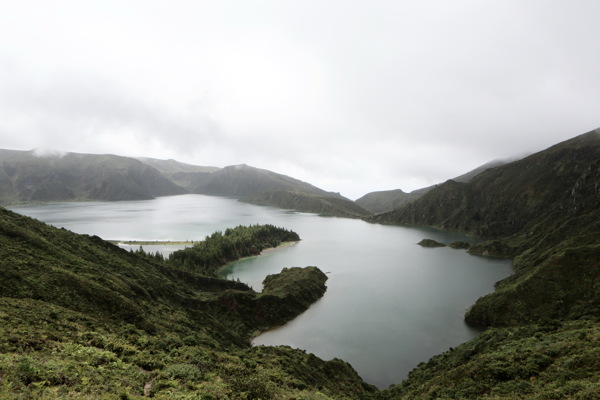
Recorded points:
(390,304)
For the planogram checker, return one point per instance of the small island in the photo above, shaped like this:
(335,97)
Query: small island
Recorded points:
(430,243)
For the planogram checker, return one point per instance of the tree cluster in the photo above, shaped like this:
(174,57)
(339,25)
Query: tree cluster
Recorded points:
(220,248)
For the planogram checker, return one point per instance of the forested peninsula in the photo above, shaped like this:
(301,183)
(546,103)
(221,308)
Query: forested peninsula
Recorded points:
(220,248)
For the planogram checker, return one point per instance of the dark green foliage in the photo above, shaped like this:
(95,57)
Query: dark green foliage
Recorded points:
(216,250)
(550,360)
(389,200)
(156,256)
(308,202)
(296,288)
(544,211)
(430,243)
(81,318)
(460,245)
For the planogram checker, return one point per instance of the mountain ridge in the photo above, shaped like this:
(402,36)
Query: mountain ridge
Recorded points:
(31,176)
(26,176)
(382,201)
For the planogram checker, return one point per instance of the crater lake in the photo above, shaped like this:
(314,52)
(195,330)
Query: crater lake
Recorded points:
(390,304)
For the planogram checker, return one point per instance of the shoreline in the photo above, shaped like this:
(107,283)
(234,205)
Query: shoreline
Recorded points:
(154,242)
(282,245)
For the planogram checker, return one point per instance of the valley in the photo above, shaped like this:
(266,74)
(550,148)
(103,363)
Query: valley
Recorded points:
(89,306)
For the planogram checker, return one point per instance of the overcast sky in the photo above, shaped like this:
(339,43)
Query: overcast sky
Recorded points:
(351,96)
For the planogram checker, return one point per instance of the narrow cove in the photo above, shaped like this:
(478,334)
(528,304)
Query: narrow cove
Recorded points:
(390,303)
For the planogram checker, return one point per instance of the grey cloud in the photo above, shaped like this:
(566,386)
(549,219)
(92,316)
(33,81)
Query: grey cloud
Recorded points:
(364,95)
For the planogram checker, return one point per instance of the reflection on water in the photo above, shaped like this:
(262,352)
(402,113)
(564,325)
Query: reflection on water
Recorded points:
(389,305)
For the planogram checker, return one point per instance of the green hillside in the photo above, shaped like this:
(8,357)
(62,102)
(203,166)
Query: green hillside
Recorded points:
(544,212)
(82,318)
(389,200)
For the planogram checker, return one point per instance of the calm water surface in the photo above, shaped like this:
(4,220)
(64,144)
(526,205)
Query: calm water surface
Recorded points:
(390,304)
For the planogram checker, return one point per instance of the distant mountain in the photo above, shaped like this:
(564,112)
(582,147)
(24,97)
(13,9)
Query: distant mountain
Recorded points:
(388,200)
(27,176)
(263,187)
(308,202)
(185,175)
(243,180)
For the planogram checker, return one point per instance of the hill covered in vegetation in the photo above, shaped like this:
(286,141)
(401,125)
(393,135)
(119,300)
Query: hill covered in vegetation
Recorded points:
(543,212)
(388,200)
(82,318)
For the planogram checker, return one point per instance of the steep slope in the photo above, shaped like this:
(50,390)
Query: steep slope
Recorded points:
(389,200)
(544,211)
(503,200)
(26,176)
(307,202)
(81,318)
(549,360)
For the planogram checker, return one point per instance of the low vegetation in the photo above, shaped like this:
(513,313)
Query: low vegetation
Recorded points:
(551,359)
(82,318)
